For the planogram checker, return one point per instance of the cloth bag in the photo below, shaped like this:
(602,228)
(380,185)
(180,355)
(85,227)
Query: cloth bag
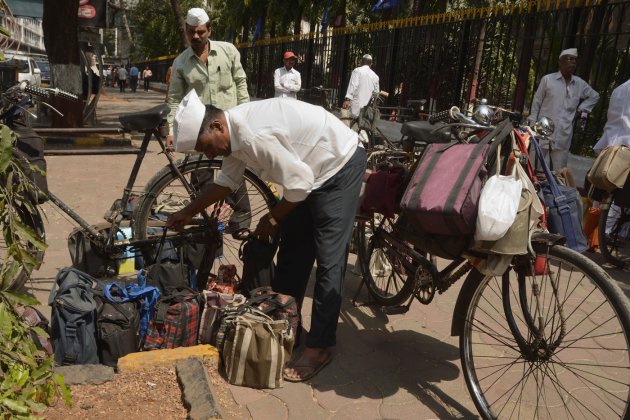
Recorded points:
(610,169)
(256,349)
(498,205)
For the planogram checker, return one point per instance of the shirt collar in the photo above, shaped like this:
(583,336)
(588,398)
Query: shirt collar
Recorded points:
(235,144)
(211,51)
(559,76)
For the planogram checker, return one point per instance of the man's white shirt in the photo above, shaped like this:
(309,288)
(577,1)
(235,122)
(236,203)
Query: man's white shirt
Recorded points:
(617,128)
(291,82)
(291,143)
(363,82)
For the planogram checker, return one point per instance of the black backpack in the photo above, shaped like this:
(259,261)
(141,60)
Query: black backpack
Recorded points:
(73,318)
(118,328)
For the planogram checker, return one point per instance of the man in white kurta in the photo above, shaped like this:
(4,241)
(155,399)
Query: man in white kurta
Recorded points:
(562,96)
(617,128)
(287,81)
(320,166)
(363,83)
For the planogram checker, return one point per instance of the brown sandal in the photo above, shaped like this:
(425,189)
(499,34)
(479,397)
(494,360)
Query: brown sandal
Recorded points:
(305,363)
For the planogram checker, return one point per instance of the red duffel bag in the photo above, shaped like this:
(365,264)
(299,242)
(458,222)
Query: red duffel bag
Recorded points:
(443,193)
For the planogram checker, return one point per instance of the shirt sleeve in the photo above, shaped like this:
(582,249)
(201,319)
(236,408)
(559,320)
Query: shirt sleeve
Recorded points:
(296,82)
(353,85)
(269,151)
(231,175)
(239,77)
(589,98)
(276,82)
(176,92)
(538,98)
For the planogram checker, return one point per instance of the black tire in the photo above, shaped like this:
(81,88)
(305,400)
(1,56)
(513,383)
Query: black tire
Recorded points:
(165,189)
(387,278)
(35,223)
(614,233)
(583,371)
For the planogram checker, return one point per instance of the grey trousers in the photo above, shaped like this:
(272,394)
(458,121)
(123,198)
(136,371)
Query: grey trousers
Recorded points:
(319,229)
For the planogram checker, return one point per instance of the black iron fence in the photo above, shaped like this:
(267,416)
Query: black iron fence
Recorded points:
(448,59)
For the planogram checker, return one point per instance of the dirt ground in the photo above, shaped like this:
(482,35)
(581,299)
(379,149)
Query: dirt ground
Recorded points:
(140,395)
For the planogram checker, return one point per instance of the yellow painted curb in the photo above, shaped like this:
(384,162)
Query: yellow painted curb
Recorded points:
(149,359)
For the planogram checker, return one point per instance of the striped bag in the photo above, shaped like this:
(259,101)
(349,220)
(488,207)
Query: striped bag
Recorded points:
(256,349)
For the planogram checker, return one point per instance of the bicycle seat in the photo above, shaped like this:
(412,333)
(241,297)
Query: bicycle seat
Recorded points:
(145,120)
(423,131)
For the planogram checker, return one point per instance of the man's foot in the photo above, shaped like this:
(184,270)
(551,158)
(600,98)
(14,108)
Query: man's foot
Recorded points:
(307,365)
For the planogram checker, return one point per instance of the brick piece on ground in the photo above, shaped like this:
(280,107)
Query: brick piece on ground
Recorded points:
(85,374)
(196,390)
(148,359)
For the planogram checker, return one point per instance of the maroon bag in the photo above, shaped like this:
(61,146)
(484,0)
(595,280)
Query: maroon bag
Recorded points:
(276,305)
(175,321)
(443,193)
(383,190)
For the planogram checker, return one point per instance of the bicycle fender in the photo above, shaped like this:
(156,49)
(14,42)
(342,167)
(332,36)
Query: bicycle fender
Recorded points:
(463,299)
(542,240)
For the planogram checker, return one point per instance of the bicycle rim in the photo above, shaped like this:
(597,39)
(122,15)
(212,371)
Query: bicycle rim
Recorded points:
(585,374)
(34,222)
(614,234)
(166,195)
(388,281)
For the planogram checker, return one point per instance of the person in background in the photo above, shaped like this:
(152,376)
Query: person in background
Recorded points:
(122,79)
(320,165)
(146,77)
(363,83)
(133,77)
(562,97)
(286,80)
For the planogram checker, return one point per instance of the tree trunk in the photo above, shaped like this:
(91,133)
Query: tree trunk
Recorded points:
(181,23)
(62,46)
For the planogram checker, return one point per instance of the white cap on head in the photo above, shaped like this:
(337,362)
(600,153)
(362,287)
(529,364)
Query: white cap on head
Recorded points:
(187,123)
(197,16)
(569,51)
(367,57)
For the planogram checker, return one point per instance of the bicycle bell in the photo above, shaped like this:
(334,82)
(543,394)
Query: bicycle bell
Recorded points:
(483,114)
(544,126)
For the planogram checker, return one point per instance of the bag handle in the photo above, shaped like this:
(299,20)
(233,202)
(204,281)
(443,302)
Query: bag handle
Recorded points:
(558,197)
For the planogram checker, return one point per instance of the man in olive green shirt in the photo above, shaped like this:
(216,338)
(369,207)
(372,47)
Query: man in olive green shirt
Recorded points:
(212,68)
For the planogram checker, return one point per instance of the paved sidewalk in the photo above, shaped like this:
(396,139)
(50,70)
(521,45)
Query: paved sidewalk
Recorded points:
(385,366)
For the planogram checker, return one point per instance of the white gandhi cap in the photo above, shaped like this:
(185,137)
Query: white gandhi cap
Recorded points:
(197,16)
(569,51)
(187,123)
(367,57)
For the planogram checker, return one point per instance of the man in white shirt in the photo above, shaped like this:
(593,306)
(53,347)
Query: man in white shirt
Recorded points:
(363,83)
(617,128)
(286,80)
(562,96)
(317,161)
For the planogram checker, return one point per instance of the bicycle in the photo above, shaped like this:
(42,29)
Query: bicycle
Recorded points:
(614,229)
(169,190)
(540,340)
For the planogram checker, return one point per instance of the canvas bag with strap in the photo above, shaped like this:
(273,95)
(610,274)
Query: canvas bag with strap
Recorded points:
(611,168)
(73,318)
(215,306)
(256,349)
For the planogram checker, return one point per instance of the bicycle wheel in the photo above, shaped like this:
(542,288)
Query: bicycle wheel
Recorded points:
(34,222)
(553,345)
(614,234)
(166,194)
(389,274)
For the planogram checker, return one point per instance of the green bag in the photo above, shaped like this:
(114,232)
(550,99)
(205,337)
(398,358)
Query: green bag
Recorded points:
(256,349)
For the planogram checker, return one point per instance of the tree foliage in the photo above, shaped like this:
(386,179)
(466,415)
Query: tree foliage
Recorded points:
(27,381)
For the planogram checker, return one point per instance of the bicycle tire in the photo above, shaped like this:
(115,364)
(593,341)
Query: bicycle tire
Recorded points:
(382,264)
(35,222)
(585,370)
(614,233)
(165,189)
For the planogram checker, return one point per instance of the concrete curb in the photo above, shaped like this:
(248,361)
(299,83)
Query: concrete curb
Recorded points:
(197,392)
(148,359)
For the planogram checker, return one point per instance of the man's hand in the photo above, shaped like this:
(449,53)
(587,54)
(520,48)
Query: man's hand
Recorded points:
(178,220)
(346,104)
(265,231)
(170,144)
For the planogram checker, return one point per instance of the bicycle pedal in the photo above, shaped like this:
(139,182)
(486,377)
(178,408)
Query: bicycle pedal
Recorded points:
(396,310)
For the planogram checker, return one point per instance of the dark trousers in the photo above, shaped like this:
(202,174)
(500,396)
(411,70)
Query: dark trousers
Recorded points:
(146,83)
(134,83)
(319,229)
(122,84)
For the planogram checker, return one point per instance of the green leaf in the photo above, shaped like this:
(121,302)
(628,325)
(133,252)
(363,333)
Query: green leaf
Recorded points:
(65,391)
(19,298)
(27,234)
(15,406)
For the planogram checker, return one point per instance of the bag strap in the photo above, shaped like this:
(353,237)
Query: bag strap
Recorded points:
(558,198)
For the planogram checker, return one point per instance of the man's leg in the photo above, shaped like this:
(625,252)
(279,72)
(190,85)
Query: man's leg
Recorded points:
(332,207)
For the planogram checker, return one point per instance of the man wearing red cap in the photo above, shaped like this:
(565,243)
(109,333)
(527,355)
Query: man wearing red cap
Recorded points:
(286,80)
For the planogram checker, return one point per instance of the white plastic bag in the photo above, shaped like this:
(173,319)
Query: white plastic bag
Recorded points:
(498,205)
